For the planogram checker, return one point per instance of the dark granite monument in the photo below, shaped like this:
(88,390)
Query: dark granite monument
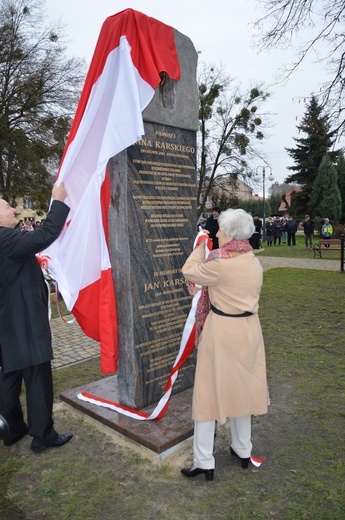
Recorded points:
(152,228)
(152,223)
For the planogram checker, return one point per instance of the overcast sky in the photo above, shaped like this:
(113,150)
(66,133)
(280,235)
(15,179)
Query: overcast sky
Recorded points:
(222,31)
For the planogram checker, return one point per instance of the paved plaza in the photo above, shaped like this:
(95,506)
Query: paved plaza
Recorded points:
(71,346)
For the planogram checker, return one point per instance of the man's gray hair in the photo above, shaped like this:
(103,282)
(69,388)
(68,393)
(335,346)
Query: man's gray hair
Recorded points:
(236,223)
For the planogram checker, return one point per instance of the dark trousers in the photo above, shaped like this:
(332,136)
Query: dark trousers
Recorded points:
(38,382)
(308,237)
(291,238)
(326,238)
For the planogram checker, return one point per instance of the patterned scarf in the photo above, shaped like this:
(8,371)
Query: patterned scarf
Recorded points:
(229,250)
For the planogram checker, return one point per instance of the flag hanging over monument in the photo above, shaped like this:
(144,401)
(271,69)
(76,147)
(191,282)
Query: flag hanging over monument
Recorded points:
(131,52)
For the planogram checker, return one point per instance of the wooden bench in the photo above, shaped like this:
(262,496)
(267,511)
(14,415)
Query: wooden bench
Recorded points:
(333,244)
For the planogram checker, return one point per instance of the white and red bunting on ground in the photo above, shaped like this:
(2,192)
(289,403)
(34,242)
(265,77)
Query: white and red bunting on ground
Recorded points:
(131,51)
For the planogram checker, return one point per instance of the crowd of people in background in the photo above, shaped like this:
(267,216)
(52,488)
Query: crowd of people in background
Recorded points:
(281,230)
(28,225)
(278,230)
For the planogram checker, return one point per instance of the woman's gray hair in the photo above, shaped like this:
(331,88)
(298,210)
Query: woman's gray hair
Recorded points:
(236,223)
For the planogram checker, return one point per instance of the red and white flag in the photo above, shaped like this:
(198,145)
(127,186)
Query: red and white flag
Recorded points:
(131,51)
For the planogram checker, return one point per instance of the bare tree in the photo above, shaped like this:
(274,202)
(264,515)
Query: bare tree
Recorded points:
(325,21)
(229,126)
(39,89)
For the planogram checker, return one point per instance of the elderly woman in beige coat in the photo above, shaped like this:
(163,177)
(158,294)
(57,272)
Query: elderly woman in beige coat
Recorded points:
(230,378)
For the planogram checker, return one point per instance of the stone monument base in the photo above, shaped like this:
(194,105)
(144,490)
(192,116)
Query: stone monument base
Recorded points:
(159,436)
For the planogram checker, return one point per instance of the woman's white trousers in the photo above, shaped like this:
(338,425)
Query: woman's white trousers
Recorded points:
(204,440)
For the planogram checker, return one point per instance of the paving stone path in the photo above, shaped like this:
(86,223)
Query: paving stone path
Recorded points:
(301,263)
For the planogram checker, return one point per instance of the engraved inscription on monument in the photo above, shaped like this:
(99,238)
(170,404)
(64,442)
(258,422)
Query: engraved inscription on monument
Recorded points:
(161,226)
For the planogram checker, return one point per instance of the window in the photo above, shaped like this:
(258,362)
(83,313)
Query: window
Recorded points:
(27,204)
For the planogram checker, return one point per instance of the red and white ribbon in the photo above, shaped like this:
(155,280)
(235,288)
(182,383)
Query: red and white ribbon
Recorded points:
(256,461)
(43,260)
(186,347)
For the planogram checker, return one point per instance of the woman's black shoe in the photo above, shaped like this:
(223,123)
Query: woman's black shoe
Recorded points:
(244,462)
(194,472)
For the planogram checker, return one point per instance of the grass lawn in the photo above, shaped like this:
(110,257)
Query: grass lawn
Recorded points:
(301,438)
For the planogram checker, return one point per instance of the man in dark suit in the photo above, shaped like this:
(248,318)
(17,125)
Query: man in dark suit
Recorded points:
(212,226)
(25,335)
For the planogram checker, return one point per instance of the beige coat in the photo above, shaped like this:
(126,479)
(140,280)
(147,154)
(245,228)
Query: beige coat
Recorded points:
(230,377)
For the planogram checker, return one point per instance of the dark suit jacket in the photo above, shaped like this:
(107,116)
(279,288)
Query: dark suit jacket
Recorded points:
(213,227)
(25,336)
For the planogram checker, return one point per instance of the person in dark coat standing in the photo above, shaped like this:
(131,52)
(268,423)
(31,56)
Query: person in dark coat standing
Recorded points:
(255,239)
(269,231)
(25,335)
(278,230)
(308,226)
(291,229)
(212,226)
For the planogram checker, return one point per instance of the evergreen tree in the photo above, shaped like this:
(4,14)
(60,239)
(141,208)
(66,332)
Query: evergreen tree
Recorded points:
(255,207)
(341,184)
(308,154)
(325,199)
(275,202)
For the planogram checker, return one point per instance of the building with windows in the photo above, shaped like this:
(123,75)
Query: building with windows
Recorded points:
(25,211)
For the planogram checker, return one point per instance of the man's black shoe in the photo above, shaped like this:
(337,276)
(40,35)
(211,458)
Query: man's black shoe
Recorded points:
(62,439)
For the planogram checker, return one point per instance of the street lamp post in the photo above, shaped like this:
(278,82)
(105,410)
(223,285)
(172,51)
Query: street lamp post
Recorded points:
(270,178)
